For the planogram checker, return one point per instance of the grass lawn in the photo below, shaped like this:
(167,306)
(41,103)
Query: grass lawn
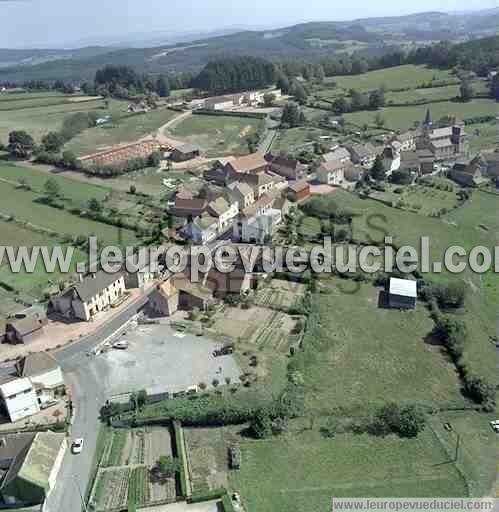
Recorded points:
(39,120)
(122,129)
(477,455)
(302,472)
(376,354)
(22,205)
(425,200)
(297,138)
(483,136)
(396,77)
(403,118)
(217,135)
(75,191)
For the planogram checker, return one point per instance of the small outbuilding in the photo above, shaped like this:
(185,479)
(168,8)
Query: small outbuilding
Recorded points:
(185,152)
(402,293)
(298,191)
(235,457)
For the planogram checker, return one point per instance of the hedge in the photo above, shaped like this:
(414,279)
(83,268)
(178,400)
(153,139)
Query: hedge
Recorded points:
(179,447)
(200,496)
(227,503)
(250,115)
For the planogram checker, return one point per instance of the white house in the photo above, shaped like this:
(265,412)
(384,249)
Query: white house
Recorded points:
(18,397)
(224,211)
(242,193)
(332,172)
(258,228)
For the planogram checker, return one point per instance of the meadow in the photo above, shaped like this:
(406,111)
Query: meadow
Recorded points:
(40,114)
(404,118)
(396,77)
(296,139)
(217,135)
(303,471)
(123,128)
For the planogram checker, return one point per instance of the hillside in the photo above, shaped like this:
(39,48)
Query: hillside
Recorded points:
(366,37)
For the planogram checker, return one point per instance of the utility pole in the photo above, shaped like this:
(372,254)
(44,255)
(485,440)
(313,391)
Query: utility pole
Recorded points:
(458,442)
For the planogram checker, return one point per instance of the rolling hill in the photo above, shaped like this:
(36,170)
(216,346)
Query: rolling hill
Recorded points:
(365,37)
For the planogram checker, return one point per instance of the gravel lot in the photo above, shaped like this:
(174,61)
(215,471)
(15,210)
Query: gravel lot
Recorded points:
(159,358)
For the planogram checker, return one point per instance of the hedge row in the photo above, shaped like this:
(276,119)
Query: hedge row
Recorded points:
(250,115)
(179,448)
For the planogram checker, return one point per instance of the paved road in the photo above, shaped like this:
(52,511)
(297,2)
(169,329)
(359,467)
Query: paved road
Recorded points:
(88,396)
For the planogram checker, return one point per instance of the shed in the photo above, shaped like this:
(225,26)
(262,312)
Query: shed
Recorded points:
(185,152)
(402,293)
(298,191)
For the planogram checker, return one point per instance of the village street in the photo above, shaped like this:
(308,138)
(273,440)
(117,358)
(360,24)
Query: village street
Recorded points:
(158,359)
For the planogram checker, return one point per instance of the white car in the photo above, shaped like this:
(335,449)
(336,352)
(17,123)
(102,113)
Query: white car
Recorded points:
(77,446)
(120,345)
(495,425)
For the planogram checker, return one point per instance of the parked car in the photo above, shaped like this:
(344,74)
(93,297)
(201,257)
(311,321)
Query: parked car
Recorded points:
(225,350)
(495,425)
(77,446)
(121,345)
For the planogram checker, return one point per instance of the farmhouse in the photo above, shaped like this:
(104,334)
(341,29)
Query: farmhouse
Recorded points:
(341,154)
(298,191)
(18,398)
(362,154)
(332,172)
(289,168)
(468,173)
(402,293)
(29,465)
(249,164)
(93,294)
(242,193)
(44,373)
(163,301)
(202,229)
(185,152)
(224,212)
(186,205)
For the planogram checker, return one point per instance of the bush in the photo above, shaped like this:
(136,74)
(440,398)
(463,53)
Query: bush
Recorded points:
(481,392)
(406,421)
(261,425)
(330,428)
(448,296)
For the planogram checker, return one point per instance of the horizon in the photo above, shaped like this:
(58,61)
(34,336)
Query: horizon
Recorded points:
(27,28)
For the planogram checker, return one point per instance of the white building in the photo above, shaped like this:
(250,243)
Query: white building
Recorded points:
(260,227)
(224,211)
(18,397)
(402,293)
(44,373)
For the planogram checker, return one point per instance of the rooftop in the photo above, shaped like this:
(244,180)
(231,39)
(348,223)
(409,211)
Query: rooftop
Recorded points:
(248,163)
(95,283)
(36,364)
(403,287)
(188,148)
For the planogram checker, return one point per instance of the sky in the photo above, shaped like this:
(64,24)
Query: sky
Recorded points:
(56,23)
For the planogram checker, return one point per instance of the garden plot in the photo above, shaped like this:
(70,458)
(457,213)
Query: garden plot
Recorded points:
(257,326)
(111,489)
(207,456)
(127,469)
(280,294)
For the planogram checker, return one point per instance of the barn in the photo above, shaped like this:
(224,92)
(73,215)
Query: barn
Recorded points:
(402,293)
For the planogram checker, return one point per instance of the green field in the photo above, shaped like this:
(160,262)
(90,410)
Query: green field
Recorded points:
(23,205)
(217,135)
(396,77)
(43,115)
(295,139)
(303,472)
(422,199)
(123,128)
(378,354)
(76,192)
(403,118)
(483,136)
(433,93)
